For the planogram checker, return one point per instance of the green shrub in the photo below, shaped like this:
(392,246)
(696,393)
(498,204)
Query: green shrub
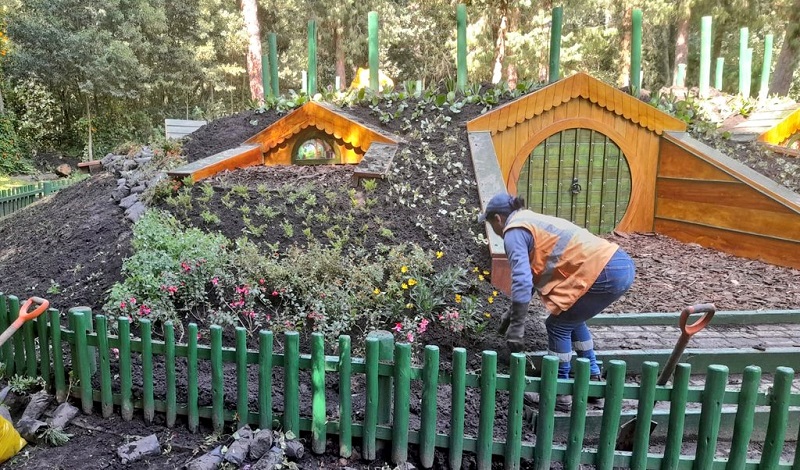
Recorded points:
(11,161)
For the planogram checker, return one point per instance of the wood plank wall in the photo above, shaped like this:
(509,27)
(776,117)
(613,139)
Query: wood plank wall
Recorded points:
(698,202)
(639,145)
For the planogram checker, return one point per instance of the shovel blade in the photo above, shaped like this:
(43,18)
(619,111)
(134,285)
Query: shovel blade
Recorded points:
(627,434)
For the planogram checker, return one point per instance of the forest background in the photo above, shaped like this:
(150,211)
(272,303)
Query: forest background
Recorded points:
(114,69)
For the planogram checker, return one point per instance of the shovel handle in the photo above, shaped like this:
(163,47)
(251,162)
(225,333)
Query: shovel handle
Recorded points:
(25,315)
(707,310)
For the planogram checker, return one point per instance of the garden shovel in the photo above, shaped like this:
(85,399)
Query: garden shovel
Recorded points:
(25,315)
(628,430)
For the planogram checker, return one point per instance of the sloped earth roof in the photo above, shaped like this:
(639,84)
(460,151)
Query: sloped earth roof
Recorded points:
(78,238)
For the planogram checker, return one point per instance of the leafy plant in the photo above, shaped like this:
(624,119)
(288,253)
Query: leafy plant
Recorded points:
(210,218)
(55,437)
(25,385)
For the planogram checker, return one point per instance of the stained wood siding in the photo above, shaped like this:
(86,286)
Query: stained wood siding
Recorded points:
(239,157)
(282,153)
(704,197)
(783,130)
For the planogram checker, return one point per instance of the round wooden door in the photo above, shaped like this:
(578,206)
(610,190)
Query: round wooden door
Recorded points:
(579,175)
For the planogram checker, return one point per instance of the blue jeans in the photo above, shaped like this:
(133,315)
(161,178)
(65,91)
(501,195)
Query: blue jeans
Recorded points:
(568,330)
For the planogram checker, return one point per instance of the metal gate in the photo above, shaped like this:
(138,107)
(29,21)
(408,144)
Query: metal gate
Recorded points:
(579,175)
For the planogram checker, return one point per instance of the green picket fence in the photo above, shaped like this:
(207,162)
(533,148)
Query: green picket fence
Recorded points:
(14,199)
(85,351)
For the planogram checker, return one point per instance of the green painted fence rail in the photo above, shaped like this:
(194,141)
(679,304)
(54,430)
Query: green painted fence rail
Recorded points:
(720,409)
(14,199)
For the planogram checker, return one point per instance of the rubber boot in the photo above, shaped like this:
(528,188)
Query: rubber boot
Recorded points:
(564,403)
(596,401)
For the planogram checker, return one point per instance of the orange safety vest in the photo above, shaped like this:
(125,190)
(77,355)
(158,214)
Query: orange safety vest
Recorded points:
(566,259)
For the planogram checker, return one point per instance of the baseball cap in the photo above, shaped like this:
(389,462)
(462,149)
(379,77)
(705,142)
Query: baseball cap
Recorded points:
(501,203)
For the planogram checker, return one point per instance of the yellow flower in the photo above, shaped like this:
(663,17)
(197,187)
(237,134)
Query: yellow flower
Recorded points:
(409,306)
(485,272)
(439,254)
(458,298)
(404,285)
(487,314)
(494,293)
(475,269)
(480,277)
(490,300)
(412,282)
(376,291)
(404,269)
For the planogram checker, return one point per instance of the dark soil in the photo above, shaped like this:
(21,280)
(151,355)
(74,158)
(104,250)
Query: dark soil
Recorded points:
(78,239)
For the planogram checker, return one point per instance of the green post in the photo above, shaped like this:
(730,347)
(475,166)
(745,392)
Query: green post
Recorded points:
(241,377)
(5,350)
(710,416)
(718,73)
(193,418)
(125,373)
(82,347)
(647,395)
(745,412)
(89,329)
(516,391)
(705,55)
(636,52)
(386,343)
(402,400)
(677,416)
(374,64)
(577,419)
(430,386)
(488,383)
(273,63)
(778,417)
(312,57)
(17,340)
(48,188)
(148,401)
(744,70)
(217,381)
(609,424)
(763,89)
(545,423)
(169,367)
(555,44)
(680,79)
(457,403)
(345,398)
(371,406)
(318,416)
(748,59)
(265,82)
(59,376)
(44,351)
(265,341)
(291,383)
(106,394)
(461,46)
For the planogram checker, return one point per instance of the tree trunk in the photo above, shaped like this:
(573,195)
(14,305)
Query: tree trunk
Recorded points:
(682,38)
(338,39)
(790,54)
(499,51)
(2,105)
(250,15)
(625,48)
(511,67)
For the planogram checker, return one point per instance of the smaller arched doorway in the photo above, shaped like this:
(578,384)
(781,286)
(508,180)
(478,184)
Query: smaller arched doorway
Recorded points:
(580,175)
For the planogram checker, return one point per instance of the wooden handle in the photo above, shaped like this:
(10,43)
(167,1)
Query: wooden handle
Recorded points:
(10,331)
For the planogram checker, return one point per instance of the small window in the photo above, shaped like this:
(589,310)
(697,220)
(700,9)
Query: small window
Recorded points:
(314,150)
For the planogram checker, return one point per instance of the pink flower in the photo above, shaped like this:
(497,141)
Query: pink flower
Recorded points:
(115,352)
(199,335)
(251,314)
(144,310)
(185,266)
(215,280)
(171,289)
(242,290)
(274,293)
(398,327)
(132,301)
(269,317)
(410,337)
(423,325)
(261,281)
(122,304)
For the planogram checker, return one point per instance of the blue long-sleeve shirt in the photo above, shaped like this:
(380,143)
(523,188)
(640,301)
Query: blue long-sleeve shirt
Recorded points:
(518,243)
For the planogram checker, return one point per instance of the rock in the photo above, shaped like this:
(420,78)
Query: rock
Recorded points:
(128,165)
(147,152)
(405,466)
(273,458)
(39,402)
(143,161)
(240,447)
(108,159)
(63,170)
(136,211)
(128,201)
(119,193)
(5,414)
(262,441)
(138,189)
(208,461)
(63,415)
(137,450)
(294,450)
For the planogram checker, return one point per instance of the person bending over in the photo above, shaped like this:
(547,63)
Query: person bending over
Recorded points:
(576,274)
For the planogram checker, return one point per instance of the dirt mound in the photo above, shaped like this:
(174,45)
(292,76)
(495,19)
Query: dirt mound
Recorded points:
(228,132)
(68,247)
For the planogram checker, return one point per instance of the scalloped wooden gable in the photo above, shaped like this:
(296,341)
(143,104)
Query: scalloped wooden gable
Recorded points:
(583,86)
(326,119)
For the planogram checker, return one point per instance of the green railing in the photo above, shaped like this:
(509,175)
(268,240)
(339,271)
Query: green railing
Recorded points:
(14,199)
(71,360)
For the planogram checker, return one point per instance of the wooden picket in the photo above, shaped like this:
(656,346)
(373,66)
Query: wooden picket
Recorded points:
(47,345)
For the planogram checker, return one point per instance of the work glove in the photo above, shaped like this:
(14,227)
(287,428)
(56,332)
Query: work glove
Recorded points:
(512,325)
